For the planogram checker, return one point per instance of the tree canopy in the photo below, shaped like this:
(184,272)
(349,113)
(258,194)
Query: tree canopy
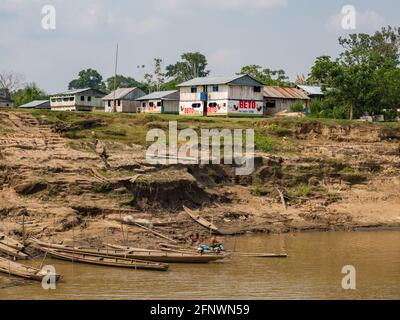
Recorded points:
(364,76)
(192,65)
(266,76)
(123,82)
(88,78)
(29,93)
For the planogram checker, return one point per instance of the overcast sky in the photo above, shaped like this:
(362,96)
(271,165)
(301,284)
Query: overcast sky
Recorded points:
(280,34)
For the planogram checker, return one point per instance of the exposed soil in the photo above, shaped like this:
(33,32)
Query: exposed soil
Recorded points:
(331,179)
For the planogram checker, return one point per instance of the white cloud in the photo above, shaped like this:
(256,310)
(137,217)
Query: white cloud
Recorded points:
(368,20)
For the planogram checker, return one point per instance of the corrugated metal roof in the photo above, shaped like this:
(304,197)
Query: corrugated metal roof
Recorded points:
(120,93)
(76,91)
(35,103)
(284,93)
(312,90)
(214,80)
(160,95)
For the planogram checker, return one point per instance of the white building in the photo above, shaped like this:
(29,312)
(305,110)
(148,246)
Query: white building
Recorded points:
(160,102)
(123,100)
(78,100)
(239,95)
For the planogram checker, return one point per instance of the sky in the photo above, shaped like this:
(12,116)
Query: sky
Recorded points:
(278,34)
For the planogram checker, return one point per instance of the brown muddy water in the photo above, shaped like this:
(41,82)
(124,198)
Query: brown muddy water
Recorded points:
(312,271)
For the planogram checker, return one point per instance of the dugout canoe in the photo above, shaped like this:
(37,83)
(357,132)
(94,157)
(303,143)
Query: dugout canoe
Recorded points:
(131,253)
(107,261)
(10,242)
(203,222)
(19,270)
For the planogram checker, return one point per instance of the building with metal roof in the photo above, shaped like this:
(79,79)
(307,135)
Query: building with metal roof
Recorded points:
(36,104)
(238,95)
(6,102)
(278,99)
(78,100)
(160,102)
(312,91)
(123,100)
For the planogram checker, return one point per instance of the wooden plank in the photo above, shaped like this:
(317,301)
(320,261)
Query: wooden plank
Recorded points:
(12,252)
(10,242)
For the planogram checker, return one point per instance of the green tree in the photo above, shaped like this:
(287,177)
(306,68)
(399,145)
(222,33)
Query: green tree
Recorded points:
(123,82)
(29,93)
(266,76)
(358,75)
(88,78)
(193,65)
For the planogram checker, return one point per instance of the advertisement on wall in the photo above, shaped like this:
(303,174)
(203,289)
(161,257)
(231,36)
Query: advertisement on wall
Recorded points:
(153,107)
(191,108)
(245,107)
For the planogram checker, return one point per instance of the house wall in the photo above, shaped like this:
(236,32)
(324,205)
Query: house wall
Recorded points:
(4,104)
(230,100)
(127,106)
(160,106)
(76,102)
(171,106)
(281,105)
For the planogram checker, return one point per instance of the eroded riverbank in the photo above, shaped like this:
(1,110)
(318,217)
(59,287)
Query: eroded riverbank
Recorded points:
(76,175)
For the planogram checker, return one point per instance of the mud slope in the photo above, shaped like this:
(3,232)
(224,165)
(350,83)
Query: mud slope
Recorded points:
(330,178)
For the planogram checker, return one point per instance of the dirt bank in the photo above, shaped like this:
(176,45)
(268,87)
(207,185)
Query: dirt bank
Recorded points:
(76,180)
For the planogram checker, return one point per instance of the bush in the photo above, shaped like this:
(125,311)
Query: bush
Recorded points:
(315,106)
(297,106)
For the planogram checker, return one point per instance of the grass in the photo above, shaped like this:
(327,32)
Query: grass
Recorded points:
(133,128)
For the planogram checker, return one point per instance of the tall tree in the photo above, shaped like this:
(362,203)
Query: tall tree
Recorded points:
(155,81)
(88,78)
(356,75)
(9,82)
(123,82)
(265,75)
(193,65)
(29,93)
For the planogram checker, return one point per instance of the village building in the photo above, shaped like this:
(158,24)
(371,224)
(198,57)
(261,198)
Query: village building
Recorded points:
(312,91)
(280,99)
(160,102)
(6,102)
(78,100)
(123,100)
(36,104)
(239,95)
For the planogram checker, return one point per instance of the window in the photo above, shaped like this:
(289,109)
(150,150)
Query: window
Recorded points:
(193,89)
(89,98)
(159,104)
(212,104)
(118,102)
(196,105)
(144,104)
(82,98)
(257,89)
(215,89)
(151,104)
(109,103)
(71,99)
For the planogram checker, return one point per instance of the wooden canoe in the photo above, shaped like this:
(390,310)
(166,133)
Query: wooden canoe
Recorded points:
(196,217)
(130,253)
(22,271)
(9,251)
(10,242)
(108,261)
(262,255)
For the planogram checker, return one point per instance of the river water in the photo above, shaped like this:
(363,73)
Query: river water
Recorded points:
(312,271)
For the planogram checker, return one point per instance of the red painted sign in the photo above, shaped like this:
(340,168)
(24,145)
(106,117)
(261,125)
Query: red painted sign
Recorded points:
(247,105)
